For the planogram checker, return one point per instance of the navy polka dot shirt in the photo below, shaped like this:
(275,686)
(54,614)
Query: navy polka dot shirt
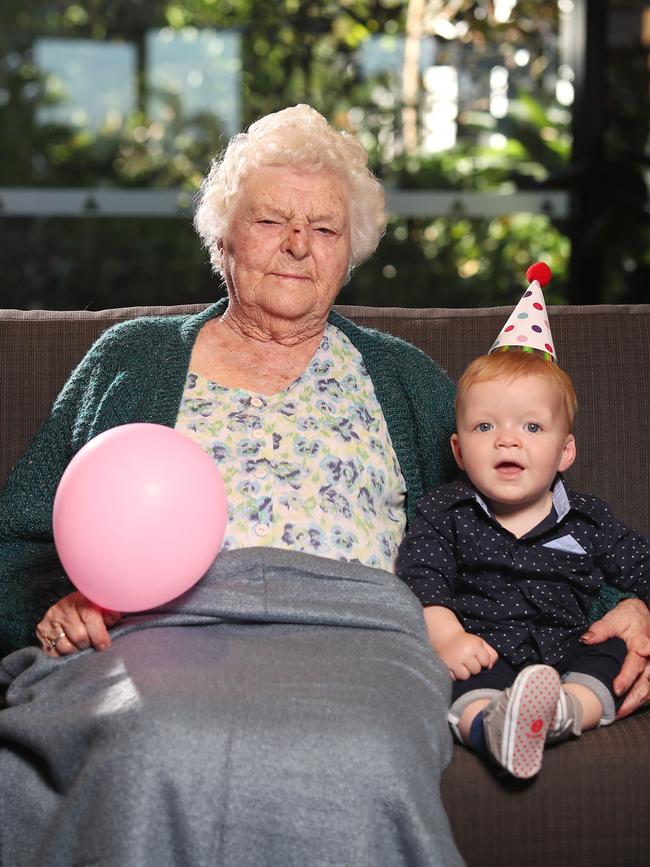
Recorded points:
(529,598)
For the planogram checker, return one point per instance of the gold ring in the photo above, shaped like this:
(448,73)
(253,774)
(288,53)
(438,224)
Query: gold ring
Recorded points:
(54,641)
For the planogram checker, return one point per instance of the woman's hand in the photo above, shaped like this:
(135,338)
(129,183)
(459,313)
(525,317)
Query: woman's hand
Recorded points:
(75,623)
(629,620)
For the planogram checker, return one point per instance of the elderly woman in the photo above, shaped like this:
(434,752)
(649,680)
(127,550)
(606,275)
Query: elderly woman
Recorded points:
(326,434)
(301,720)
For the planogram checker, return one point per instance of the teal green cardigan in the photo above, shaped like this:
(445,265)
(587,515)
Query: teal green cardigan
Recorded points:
(135,372)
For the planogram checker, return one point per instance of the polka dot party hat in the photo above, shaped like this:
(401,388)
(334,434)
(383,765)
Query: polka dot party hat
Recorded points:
(527,328)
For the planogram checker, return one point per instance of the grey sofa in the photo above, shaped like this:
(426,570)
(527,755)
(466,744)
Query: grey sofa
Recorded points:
(591,803)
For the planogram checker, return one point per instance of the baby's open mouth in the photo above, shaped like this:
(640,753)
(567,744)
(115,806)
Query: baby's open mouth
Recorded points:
(509,467)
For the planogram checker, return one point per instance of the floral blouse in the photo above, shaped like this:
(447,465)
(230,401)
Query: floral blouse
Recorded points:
(311,468)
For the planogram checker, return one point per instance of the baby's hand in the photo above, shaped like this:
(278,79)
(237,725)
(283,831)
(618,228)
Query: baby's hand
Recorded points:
(465,654)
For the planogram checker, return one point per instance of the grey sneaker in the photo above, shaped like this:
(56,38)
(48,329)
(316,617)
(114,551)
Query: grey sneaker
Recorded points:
(517,722)
(568,717)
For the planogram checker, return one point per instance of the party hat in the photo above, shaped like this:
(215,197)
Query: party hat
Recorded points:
(527,328)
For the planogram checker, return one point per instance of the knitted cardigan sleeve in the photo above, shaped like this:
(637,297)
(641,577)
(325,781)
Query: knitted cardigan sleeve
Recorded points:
(432,397)
(421,417)
(31,578)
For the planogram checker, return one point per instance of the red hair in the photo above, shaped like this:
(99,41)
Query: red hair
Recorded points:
(510,365)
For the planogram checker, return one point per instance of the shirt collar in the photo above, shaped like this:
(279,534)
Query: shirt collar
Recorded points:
(564,500)
(561,503)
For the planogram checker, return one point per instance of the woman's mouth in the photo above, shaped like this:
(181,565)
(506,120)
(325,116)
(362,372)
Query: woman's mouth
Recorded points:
(292,276)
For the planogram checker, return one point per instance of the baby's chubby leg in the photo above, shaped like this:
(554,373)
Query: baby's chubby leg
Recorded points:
(587,698)
(579,708)
(592,708)
(467,716)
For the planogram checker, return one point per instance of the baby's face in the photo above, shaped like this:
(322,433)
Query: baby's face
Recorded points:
(512,439)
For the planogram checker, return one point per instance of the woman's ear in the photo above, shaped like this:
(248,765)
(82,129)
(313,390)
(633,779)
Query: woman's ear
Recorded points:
(568,454)
(455,447)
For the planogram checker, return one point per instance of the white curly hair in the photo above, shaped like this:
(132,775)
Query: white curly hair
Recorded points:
(298,137)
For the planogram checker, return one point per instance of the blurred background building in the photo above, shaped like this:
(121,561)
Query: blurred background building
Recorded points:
(505,131)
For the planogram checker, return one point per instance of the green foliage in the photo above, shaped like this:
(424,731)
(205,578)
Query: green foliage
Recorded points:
(459,263)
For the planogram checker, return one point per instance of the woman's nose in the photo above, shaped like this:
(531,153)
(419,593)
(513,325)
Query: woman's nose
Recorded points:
(297,241)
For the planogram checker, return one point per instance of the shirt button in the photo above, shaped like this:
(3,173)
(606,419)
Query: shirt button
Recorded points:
(258,434)
(260,473)
(261,530)
(257,401)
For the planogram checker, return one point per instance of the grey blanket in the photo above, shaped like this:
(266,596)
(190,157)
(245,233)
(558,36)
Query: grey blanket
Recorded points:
(285,711)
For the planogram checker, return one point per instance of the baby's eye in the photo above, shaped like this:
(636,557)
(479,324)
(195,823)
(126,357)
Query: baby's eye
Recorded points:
(483,426)
(533,427)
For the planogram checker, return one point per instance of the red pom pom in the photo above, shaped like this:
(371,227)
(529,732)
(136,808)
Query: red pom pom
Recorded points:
(540,272)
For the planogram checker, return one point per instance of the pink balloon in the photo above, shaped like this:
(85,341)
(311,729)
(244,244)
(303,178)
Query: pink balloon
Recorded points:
(139,516)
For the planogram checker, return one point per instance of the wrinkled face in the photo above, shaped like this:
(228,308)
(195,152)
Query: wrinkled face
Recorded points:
(287,249)
(512,439)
